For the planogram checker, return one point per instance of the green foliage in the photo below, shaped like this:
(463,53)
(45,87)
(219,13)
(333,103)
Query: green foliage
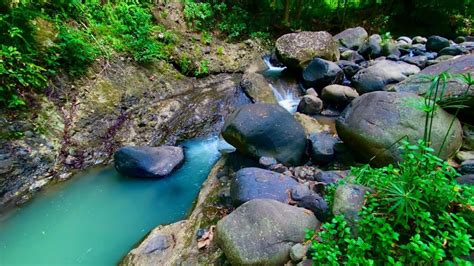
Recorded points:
(417,214)
(202,69)
(17,74)
(74,51)
(83,32)
(436,98)
(198,14)
(239,19)
(185,65)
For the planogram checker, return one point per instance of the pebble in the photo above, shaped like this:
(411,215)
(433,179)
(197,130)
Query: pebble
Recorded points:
(297,252)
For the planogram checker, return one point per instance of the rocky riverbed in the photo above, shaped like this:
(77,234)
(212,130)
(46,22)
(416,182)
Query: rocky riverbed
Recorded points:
(266,194)
(355,96)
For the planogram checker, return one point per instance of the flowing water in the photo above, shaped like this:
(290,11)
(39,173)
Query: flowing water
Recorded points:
(95,218)
(285,97)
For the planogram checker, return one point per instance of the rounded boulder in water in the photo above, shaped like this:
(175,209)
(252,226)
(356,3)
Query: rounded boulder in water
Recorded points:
(436,43)
(147,162)
(320,73)
(267,130)
(373,122)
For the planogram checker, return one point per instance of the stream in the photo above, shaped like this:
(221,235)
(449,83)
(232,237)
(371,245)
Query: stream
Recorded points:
(97,217)
(286,97)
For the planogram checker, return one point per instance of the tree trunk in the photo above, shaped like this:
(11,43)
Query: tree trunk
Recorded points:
(286,13)
(299,7)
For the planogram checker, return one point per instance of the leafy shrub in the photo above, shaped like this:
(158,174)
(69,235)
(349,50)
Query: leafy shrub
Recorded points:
(86,30)
(417,214)
(18,73)
(199,15)
(202,69)
(135,25)
(74,51)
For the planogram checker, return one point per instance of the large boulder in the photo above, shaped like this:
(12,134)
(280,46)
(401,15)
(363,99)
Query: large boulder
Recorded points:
(262,232)
(372,48)
(373,122)
(147,162)
(381,74)
(455,88)
(255,183)
(257,88)
(296,50)
(436,43)
(352,38)
(267,130)
(320,73)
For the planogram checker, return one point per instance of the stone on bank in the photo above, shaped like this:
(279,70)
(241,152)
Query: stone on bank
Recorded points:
(262,232)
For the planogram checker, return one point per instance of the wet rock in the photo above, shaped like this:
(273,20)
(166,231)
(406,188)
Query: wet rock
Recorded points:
(349,68)
(372,48)
(381,74)
(352,38)
(467,167)
(348,201)
(439,59)
(330,177)
(247,236)
(390,47)
(467,45)
(322,147)
(404,40)
(352,56)
(311,91)
(466,179)
(468,134)
(310,105)
(298,252)
(299,192)
(419,40)
(460,39)
(454,87)
(436,43)
(255,183)
(147,162)
(418,60)
(266,130)
(339,94)
(279,168)
(374,121)
(224,147)
(296,50)
(320,73)
(267,162)
(316,204)
(310,124)
(462,156)
(257,88)
(453,50)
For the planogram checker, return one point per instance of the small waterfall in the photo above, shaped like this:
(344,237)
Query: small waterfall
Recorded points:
(272,70)
(286,99)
